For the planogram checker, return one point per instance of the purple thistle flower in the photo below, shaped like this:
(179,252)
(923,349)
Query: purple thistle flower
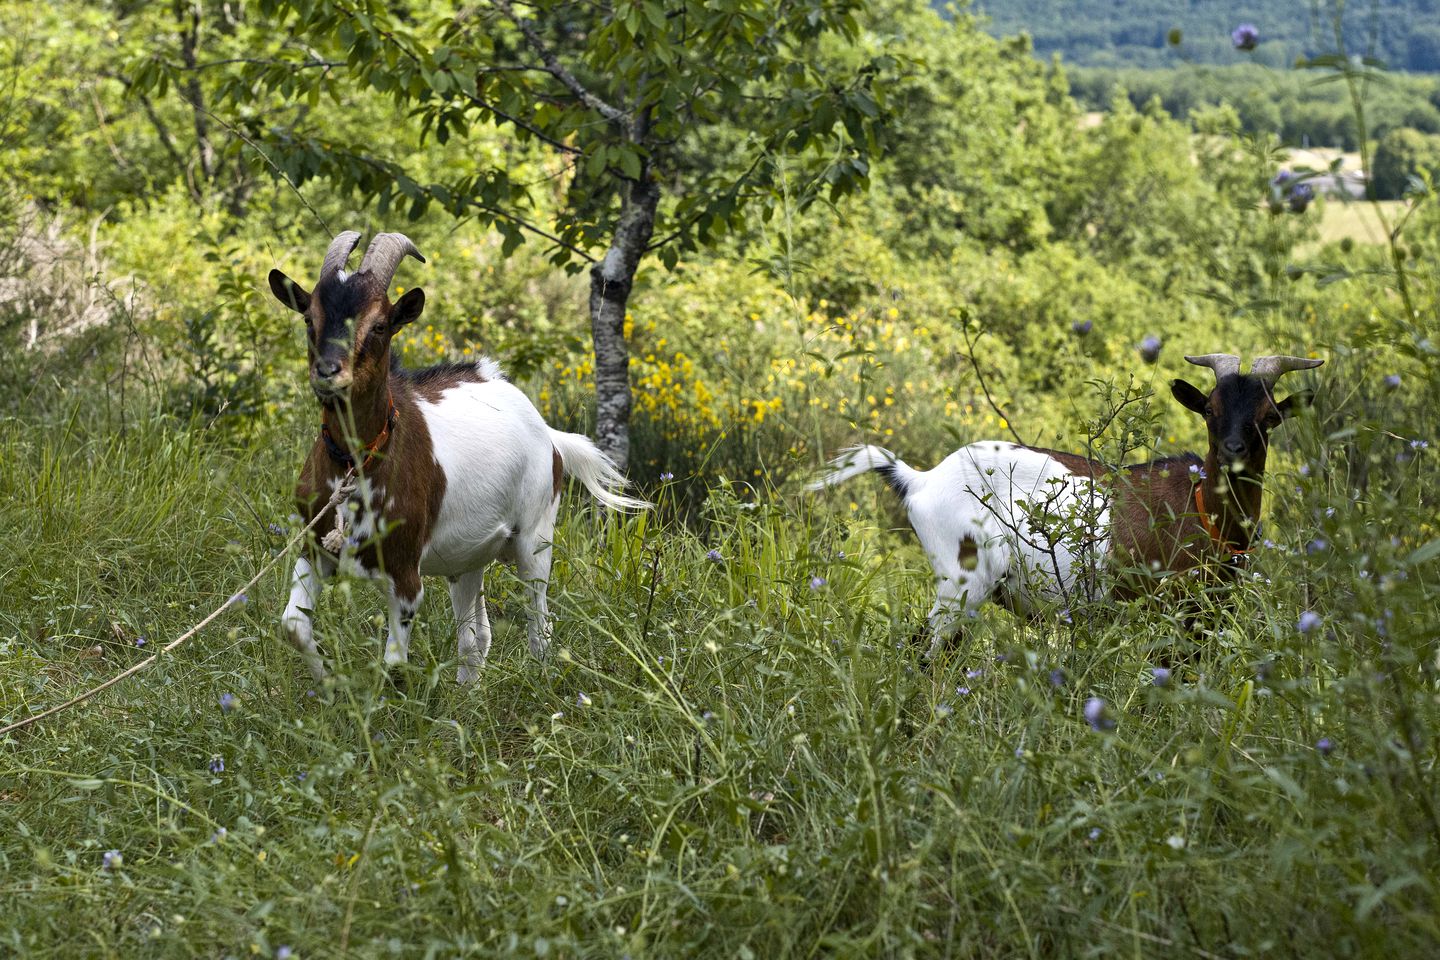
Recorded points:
(302,776)
(217,764)
(275,529)
(111,859)
(227,702)
(1304,469)
(284,953)
(1098,716)
(582,700)
(962,690)
(1057,678)
(1419,444)
(1300,196)
(817,581)
(1282,178)
(1095,833)
(1316,545)
(666,477)
(140,641)
(974,673)
(1082,327)
(714,556)
(1150,348)
(1309,621)
(239,599)
(1325,745)
(1393,381)
(1197,472)
(1160,676)
(1245,37)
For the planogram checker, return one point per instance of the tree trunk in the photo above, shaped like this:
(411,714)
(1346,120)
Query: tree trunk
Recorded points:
(610,282)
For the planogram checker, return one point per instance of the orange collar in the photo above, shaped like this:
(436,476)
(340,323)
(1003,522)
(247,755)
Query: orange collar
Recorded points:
(1209,525)
(343,457)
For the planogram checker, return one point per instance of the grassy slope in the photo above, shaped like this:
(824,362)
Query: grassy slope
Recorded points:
(719,761)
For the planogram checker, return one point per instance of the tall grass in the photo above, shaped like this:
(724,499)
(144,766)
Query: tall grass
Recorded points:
(741,756)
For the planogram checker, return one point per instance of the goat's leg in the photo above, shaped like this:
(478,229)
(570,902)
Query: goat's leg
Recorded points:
(405,594)
(965,576)
(532,563)
(296,621)
(472,624)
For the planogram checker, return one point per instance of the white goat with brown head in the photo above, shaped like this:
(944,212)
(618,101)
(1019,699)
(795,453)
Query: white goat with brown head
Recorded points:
(454,466)
(988,514)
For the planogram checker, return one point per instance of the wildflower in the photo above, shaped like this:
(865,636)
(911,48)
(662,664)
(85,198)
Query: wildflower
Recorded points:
(1097,715)
(962,691)
(227,702)
(1150,348)
(1176,842)
(1419,444)
(581,700)
(816,582)
(1057,678)
(943,710)
(1309,620)
(239,599)
(1082,327)
(1393,381)
(1281,179)
(1160,676)
(140,641)
(1316,545)
(284,953)
(219,835)
(1095,833)
(714,556)
(1300,196)
(1245,37)
(1325,745)
(302,776)
(217,764)
(1304,469)
(708,715)
(275,529)
(111,859)
(1197,472)
(974,673)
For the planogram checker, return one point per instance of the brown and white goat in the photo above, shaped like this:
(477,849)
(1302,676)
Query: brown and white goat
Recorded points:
(455,468)
(1015,523)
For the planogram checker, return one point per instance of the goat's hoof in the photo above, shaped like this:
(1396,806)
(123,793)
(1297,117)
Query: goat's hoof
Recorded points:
(467,673)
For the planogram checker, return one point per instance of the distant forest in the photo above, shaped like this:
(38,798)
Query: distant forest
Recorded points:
(1134,33)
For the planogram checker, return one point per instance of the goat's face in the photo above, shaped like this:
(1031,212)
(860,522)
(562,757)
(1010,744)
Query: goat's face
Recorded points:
(1239,413)
(349,322)
(349,318)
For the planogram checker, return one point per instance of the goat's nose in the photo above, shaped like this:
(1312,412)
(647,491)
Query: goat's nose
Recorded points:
(1233,447)
(326,369)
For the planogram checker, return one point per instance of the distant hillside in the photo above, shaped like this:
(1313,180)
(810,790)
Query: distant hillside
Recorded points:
(1132,33)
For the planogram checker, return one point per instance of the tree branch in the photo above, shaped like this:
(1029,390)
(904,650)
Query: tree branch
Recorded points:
(557,70)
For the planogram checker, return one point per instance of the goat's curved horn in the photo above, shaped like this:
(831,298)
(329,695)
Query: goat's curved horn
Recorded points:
(1223,364)
(384,255)
(1270,369)
(338,255)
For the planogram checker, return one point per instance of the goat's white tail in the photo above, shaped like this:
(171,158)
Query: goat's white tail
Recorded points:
(857,460)
(585,462)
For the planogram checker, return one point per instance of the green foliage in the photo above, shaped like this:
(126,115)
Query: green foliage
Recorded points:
(1099,33)
(1400,156)
(1288,104)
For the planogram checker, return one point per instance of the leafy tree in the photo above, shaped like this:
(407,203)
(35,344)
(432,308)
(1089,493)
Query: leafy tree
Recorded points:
(610,94)
(1400,155)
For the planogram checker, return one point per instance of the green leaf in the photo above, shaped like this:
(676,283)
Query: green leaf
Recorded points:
(1423,554)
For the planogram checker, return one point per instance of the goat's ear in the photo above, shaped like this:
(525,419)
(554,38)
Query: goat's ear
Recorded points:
(289,292)
(1190,397)
(407,308)
(1294,403)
